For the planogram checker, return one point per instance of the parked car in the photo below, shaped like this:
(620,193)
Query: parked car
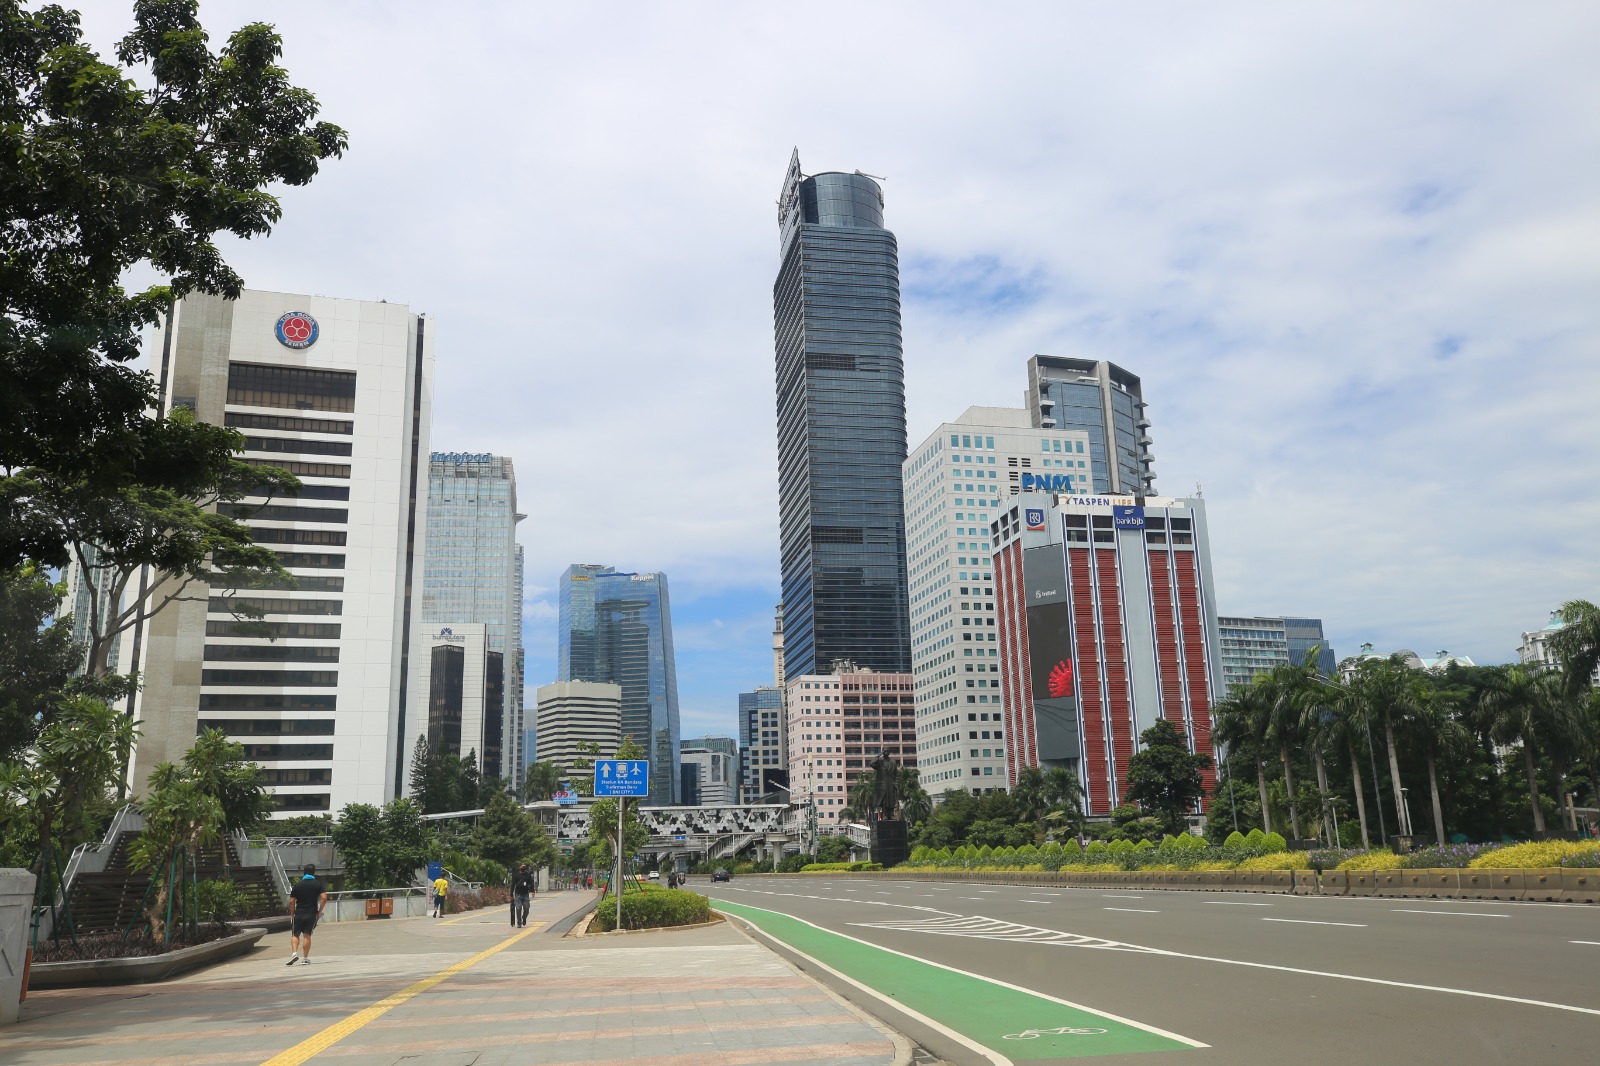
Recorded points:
(719,874)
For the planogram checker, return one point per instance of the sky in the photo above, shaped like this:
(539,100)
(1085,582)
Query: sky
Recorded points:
(1352,249)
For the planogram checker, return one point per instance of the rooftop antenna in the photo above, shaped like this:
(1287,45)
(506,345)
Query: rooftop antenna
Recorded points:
(1199,492)
(874,177)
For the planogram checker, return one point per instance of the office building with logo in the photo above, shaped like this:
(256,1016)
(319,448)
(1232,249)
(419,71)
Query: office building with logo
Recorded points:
(1105,401)
(956,481)
(471,585)
(841,417)
(575,713)
(1108,623)
(337,392)
(617,627)
(763,766)
(714,764)
(838,723)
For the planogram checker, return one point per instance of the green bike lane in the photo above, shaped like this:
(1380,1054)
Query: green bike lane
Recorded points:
(1001,1022)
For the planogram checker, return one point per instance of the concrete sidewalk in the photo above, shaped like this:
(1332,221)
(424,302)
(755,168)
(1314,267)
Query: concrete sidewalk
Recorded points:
(464,991)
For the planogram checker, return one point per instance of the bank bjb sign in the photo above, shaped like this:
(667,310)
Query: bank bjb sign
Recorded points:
(1127,517)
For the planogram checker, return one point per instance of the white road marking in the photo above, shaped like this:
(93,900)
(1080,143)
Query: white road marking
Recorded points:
(1306,921)
(1596,943)
(1451,914)
(1129,910)
(1108,895)
(1045,902)
(1234,903)
(971,899)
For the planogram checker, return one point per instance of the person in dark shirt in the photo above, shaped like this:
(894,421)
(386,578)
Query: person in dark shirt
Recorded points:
(524,886)
(306,902)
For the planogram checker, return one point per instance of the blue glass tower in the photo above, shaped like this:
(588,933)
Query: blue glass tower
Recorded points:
(1108,403)
(841,426)
(617,628)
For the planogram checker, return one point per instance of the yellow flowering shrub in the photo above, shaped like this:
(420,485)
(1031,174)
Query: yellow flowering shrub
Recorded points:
(1372,860)
(1531,856)
(1280,860)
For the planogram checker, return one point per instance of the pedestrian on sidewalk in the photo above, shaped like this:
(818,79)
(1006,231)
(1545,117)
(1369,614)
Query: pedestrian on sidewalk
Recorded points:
(307,899)
(441,889)
(523,888)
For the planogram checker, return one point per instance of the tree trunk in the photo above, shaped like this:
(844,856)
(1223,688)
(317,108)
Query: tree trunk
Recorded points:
(1261,783)
(1533,788)
(1402,815)
(1438,811)
(1594,781)
(1288,786)
(1330,824)
(1361,799)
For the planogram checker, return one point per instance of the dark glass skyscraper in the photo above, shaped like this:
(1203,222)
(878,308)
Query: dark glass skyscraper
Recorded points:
(1107,402)
(618,628)
(841,426)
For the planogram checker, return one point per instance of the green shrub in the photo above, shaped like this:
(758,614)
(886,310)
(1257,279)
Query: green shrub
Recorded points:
(1169,841)
(1254,838)
(1381,859)
(1028,851)
(1537,855)
(653,910)
(1235,839)
(985,853)
(1271,843)
(220,901)
(1096,849)
(1193,843)
(840,867)
(793,864)
(919,854)
(1283,860)
(1144,845)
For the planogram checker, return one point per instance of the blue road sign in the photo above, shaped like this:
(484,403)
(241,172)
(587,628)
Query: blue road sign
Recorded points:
(622,777)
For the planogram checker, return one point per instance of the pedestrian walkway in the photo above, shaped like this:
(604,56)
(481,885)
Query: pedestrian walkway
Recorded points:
(463,991)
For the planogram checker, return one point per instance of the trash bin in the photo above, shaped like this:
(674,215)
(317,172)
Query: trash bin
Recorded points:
(388,906)
(375,908)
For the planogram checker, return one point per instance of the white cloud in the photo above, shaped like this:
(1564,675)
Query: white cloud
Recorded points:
(1349,247)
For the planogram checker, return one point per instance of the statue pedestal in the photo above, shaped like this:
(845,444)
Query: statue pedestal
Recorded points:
(888,842)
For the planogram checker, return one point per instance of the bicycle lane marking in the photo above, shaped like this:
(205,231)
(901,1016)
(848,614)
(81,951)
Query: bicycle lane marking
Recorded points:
(1004,1022)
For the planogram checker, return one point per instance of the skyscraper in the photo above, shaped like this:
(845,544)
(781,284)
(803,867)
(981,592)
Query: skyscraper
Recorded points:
(471,575)
(841,426)
(956,482)
(338,393)
(1252,646)
(762,761)
(1107,402)
(617,628)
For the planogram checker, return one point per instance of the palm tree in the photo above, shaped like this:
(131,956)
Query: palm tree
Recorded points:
(1285,689)
(1576,645)
(1382,690)
(1433,728)
(1241,721)
(915,803)
(1528,710)
(1336,723)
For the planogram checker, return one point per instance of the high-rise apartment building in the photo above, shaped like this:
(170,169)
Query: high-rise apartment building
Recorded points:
(955,483)
(573,713)
(838,723)
(1108,622)
(617,627)
(841,425)
(471,578)
(1106,402)
(338,393)
(762,764)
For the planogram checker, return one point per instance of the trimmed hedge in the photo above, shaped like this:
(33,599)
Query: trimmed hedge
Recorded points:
(653,910)
(840,867)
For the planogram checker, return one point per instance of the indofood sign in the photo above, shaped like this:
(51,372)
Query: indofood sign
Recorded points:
(461,457)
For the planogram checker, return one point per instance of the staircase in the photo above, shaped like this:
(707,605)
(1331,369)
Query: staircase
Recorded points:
(107,900)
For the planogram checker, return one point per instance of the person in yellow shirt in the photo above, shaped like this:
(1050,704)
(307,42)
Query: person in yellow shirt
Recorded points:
(441,889)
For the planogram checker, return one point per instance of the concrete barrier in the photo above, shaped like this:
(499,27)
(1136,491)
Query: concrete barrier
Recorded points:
(1361,883)
(1444,884)
(16,911)
(1541,884)
(1412,884)
(1336,883)
(1477,884)
(1580,886)
(1306,883)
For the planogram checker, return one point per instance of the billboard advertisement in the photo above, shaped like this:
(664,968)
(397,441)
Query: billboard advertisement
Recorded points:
(1052,683)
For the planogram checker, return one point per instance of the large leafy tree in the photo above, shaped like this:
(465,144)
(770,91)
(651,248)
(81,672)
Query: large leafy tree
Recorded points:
(542,780)
(382,848)
(1576,645)
(37,655)
(509,835)
(103,174)
(1164,776)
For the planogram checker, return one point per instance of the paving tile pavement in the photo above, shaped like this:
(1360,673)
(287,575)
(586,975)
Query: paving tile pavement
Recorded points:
(702,997)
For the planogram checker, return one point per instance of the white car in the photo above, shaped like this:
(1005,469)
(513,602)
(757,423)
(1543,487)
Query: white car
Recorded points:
(655,875)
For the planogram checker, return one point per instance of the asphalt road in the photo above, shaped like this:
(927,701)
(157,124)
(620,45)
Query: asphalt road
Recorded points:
(1258,978)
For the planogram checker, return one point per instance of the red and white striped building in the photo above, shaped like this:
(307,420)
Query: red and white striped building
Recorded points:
(1108,620)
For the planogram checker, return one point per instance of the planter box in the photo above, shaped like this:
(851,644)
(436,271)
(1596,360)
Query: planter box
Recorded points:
(142,970)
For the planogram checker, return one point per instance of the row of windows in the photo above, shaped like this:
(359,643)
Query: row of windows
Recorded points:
(231,605)
(216,627)
(272,653)
(296,446)
(301,469)
(294,387)
(277,512)
(275,678)
(266,701)
(287,423)
(331,537)
(270,727)
(303,583)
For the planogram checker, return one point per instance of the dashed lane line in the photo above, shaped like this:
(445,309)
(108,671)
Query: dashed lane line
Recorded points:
(1233,903)
(1307,921)
(1130,910)
(1448,914)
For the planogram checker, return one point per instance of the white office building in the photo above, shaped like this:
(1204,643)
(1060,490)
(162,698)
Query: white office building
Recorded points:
(716,774)
(338,393)
(955,483)
(571,713)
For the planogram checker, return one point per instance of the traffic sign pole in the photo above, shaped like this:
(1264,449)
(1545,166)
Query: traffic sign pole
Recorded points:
(622,804)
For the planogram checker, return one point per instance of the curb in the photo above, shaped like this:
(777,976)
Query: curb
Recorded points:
(91,973)
(903,1048)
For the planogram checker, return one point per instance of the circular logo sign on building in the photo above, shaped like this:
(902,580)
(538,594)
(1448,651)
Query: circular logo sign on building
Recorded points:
(297,330)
